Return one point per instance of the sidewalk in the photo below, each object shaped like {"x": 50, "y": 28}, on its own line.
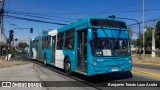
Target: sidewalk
{"x": 35, "y": 72}
{"x": 147, "y": 67}
{"x": 19, "y": 73}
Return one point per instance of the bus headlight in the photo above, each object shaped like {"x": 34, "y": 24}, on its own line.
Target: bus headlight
{"x": 129, "y": 61}
{"x": 94, "y": 63}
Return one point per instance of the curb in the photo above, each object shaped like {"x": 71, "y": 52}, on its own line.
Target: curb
{"x": 146, "y": 73}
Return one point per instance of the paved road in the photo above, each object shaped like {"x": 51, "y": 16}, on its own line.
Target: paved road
{"x": 49, "y": 73}
{"x": 100, "y": 80}
{"x": 147, "y": 66}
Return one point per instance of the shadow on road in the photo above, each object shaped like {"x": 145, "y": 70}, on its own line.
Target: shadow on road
{"x": 118, "y": 76}
{"x": 91, "y": 79}
{"x": 106, "y": 77}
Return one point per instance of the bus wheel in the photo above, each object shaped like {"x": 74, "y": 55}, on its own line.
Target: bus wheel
{"x": 67, "y": 67}
{"x": 45, "y": 60}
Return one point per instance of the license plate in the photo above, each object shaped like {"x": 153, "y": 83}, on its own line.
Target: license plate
{"x": 107, "y": 52}
{"x": 114, "y": 69}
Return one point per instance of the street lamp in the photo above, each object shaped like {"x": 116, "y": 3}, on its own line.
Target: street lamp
{"x": 113, "y": 16}
{"x": 132, "y": 20}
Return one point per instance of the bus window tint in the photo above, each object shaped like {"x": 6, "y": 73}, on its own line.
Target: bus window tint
{"x": 108, "y": 23}
{"x": 124, "y": 47}
{"x": 46, "y": 42}
{"x": 69, "y": 40}
{"x": 121, "y": 46}
{"x": 60, "y": 40}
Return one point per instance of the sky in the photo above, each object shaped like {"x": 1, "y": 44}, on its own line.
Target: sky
{"x": 68, "y": 11}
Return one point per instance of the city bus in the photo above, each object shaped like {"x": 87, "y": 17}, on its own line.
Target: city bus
{"x": 89, "y": 46}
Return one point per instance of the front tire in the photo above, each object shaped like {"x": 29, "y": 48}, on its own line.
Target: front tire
{"x": 45, "y": 60}
{"x": 67, "y": 67}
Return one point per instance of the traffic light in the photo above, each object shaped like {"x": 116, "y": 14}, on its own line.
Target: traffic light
{"x": 8, "y": 41}
{"x": 31, "y": 30}
{"x": 11, "y": 35}
{"x": 16, "y": 39}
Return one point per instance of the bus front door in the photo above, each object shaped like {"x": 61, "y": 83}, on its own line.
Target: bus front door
{"x": 53, "y": 49}
{"x": 82, "y": 51}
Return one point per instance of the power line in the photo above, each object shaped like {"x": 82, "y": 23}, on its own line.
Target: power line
{"x": 40, "y": 14}
{"x": 119, "y": 5}
{"x": 157, "y": 9}
{"x": 151, "y": 20}
{"x": 80, "y": 13}
{"x": 37, "y": 16}
{"x": 28, "y": 19}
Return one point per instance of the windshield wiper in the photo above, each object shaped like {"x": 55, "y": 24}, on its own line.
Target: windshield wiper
{"x": 105, "y": 33}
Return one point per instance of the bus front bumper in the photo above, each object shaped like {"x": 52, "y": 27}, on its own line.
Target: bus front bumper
{"x": 109, "y": 69}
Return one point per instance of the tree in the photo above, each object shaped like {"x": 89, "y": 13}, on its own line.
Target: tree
{"x": 157, "y": 35}
{"x": 22, "y": 45}
{"x": 139, "y": 42}
{"x": 148, "y": 38}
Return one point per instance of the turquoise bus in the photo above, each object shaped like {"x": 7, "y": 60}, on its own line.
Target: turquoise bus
{"x": 89, "y": 46}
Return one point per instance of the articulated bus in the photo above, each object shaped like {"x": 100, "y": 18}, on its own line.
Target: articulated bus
{"x": 90, "y": 46}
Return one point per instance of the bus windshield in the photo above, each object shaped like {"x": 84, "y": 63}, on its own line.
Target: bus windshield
{"x": 110, "y": 46}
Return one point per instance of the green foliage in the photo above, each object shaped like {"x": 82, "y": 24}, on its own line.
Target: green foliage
{"x": 12, "y": 50}
{"x": 139, "y": 41}
{"x": 22, "y": 45}
{"x": 148, "y": 37}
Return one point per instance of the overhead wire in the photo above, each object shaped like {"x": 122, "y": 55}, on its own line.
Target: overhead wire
{"x": 37, "y": 16}
{"x": 40, "y": 14}
{"x": 35, "y": 20}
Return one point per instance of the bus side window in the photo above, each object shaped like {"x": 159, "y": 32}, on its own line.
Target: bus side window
{"x": 60, "y": 40}
{"x": 69, "y": 40}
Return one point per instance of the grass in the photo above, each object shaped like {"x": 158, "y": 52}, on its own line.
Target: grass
{"x": 146, "y": 55}
{"x": 11, "y": 63}
{"x": 141, "y": 61}
{"x": 137, "y": 58}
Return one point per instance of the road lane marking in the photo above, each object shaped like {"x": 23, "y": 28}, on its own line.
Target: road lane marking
{"x": 146, "y": 73}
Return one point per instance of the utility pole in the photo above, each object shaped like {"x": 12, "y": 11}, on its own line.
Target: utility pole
{"x": 153, "y": 40}
{"x": 143, "y": 29}
{"x": 1, "y": 21}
